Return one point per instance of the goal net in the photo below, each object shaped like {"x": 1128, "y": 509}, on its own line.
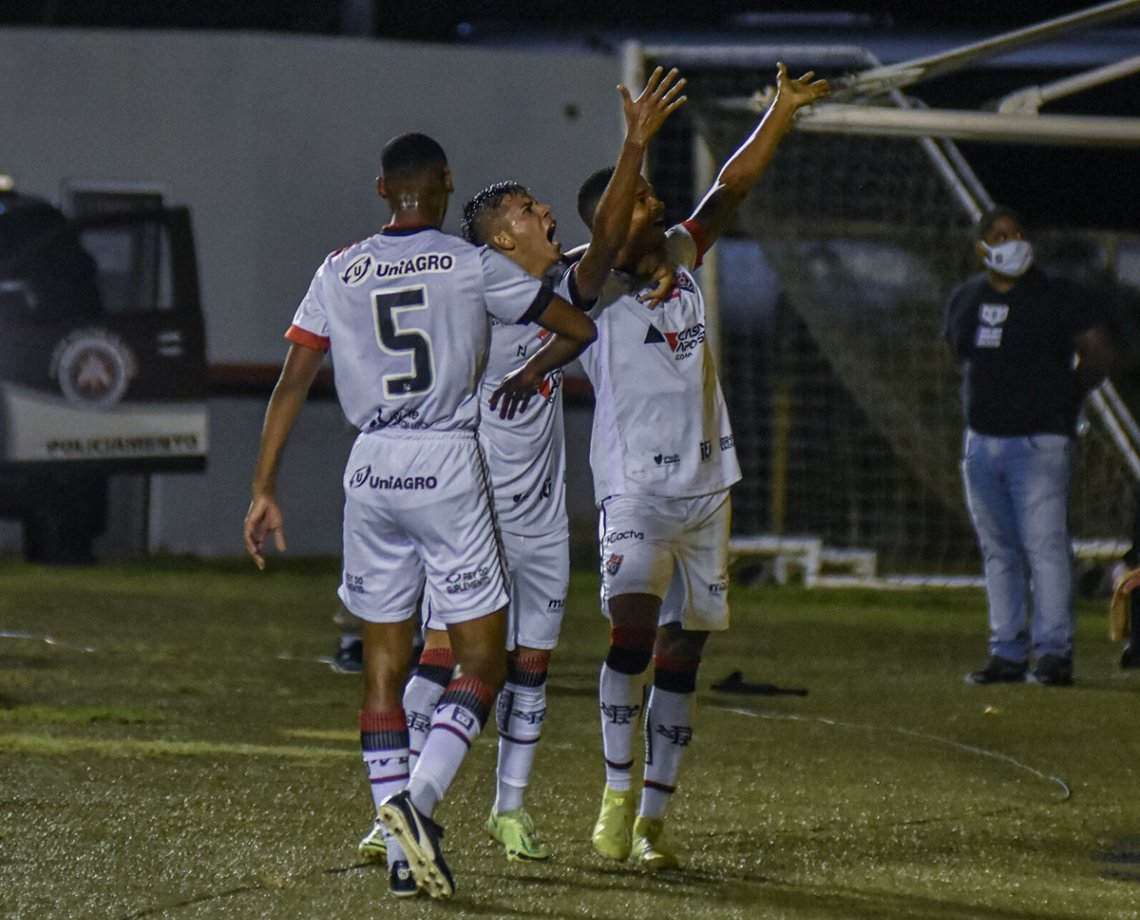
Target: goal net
{"x": 830, "y": 291}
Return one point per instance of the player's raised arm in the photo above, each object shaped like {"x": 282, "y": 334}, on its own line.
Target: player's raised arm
{"x": 575, "y": 331}
{"x": 742, "y": 170}
{"x": 264, "y": 515}
{"x": 644, "y": 117}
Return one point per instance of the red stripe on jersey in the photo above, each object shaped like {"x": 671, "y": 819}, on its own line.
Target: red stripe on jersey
{"x": 299, "y": 336}
{"x": 697, "y": 232}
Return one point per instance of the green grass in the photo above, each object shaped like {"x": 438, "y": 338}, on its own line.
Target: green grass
{"x": 178, "y": 751}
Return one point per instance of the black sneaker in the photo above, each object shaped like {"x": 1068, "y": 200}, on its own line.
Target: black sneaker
{"x": 999, "y": 671}
{"x": 401, "y": 880}
{"x": 349, "y": 657}
{"x": 419, "y": 836}
{"x": 1054, "y": 671}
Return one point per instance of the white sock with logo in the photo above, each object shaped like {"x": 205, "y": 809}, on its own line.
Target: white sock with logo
{"x": 668, "y": 731}
{"x": 384, "y": 749}
{"x": 520, "y": 713}
{"x": 460, "y": 716}
{"x": 619, "y": 697}
{"x": 421, "y": 695}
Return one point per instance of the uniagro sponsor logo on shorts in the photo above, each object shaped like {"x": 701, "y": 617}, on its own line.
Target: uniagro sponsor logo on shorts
{"x": 364, "y": 478}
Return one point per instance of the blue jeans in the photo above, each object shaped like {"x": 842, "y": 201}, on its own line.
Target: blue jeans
{"x": 1017, "y": 489}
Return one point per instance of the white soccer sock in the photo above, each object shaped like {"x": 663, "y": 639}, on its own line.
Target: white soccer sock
{"x": 520, "y": 713}
{"x": 422, "y": 693}
{"x": 384, "y": 749}
{"x": 455, "y": 724}
{"x": 619, "y": 696}
{"x": 668, "y": 731}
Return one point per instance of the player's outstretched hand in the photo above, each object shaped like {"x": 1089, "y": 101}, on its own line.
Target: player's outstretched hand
{"x": 661, "y": 97}
{"x": 514, "y": 393}
{"x": 262, "y": 519}
{"x": 662, "y": 276}
{"x": 801, "y": 92}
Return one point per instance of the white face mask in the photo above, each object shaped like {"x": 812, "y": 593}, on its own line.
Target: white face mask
{"x": 1011, "y": 258}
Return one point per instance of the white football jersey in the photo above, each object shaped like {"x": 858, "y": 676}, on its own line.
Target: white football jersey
{"x": 526, "y": 455}
{"x": 660, "y": 422}
{"x": 405, "y": 314}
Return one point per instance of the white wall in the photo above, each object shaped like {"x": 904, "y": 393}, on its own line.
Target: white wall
{"x": 273, "y": 142}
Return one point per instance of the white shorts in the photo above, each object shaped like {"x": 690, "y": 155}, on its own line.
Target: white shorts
{"x": 418, "y": 515}
{"x": 538, "y": 569}
{"x": 673, "y": 548}
{"x": 538, "y": 578}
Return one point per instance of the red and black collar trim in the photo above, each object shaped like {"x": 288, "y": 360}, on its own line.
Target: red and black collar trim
{"x": 405, "y": 229}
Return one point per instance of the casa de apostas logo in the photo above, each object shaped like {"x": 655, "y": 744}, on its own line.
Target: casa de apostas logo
{"x": 94, "y": 367}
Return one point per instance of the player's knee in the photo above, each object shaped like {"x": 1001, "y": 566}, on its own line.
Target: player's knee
{"x": 631, "y": 650}
{"x": 676, "y": 644}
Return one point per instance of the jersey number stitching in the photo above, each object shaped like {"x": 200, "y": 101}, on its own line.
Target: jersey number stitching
{"x": 388, "y": 306}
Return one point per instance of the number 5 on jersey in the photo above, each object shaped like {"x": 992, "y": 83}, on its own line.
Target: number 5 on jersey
{"x": 414, "y": 343}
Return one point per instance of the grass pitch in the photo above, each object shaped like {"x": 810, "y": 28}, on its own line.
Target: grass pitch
{"x": 173, "y": 746}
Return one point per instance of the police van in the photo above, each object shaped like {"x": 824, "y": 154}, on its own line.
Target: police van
{"x": 102, "y": 357}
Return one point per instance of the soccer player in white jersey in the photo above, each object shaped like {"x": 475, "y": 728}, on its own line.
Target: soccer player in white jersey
{"x": 663, "y": 459}
{"x": 406, "y": 316}
{"x": 526, "y": 459}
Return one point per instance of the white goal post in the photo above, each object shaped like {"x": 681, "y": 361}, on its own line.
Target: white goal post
{"x": 846, "y": 409}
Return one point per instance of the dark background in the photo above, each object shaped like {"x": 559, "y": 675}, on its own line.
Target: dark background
{"x": 1054, "y": 185}
{"x": 440, "y": 20}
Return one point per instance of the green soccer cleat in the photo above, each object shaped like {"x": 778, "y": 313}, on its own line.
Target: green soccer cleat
{"x": 515, "y": 831}
{"x": 613, "y": 832}
{"x": 649, "y": 846}
{"x": 374, "y": 848}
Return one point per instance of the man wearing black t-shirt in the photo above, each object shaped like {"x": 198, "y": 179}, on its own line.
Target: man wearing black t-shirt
{"x": 1030, "y": 346}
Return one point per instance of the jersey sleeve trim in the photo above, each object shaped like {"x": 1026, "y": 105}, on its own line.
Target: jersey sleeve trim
{"x": 299, "y": 336}
{"x": 572, "y": 289}
{"x": 540, "y": 303}
{"x": 700, "y": 237}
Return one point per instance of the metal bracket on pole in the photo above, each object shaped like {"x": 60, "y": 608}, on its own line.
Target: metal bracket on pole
{"x": 1028, "y": 101}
